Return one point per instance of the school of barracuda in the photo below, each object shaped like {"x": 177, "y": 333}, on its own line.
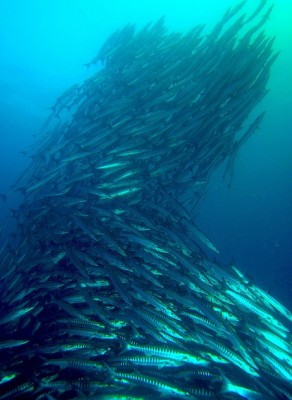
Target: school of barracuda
{"x": 108, "y": 288}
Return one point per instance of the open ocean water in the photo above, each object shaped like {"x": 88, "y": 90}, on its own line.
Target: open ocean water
{"x": 44, "y": 46}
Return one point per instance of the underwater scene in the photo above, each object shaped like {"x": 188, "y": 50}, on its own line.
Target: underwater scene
{"x": 146, "y": 199}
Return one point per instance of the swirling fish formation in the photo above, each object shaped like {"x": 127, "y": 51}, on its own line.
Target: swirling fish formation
{"x": 108, "y": 290}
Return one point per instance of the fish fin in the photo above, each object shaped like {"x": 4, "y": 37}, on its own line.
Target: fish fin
{"x": 110, "y": 372}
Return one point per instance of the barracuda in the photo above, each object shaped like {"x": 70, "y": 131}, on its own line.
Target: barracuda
{"x": 77, "y": 363}
{"x": 268, "y": 300}
{"x": 120, "y": 193}
{"x": 18, "y": 390}
{"x": 275, "y": 340}
{"x": 281, "y": 369}
{"x": 12, "y": 343}
{"x": 163, "y": 387}
{"x": 276, "y": 352}
{"x": 232, "y": 357}
{"x": 157, "y": 303}
{"x": 249, "y": 305}
{"x": 159, "y": 362}
{"x": 231, "y": 389}
{"x": 112, "y": 165}
{"x": 7, "y": 377}
{"x": 15, "y": 315}
{"x": 168, "y": 353}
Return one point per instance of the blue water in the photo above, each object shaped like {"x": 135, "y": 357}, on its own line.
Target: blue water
{"x": 44, "y": 45}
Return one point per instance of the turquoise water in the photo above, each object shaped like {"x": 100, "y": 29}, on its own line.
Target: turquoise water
{"x": 44, "y": 46}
